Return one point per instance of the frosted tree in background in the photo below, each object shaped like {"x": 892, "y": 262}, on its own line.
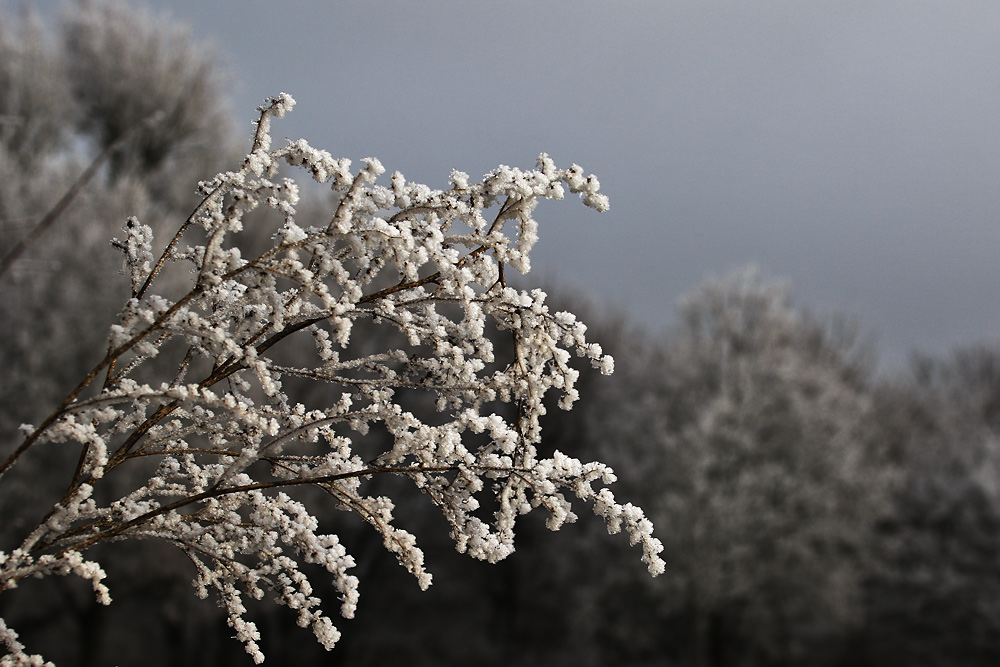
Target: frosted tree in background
{"x": 199, "y": 385}
{"x": 751, "y": 418}
{"x": 772, "y": 495}
{"x": 940, "y": 425}
{"x": 111, "y": 52}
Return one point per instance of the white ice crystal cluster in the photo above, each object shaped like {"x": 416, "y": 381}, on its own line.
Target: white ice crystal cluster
{"x": 233, "y": 447}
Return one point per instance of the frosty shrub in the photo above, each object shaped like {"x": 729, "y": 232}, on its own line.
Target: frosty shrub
{"x": 197, "y": 387}
{"x": 113, "y": 50}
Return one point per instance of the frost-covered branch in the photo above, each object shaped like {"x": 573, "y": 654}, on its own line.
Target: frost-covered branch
{"x": 234, "y": 438}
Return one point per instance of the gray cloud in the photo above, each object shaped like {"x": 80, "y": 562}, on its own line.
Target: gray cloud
{"x": 848, "y": 146}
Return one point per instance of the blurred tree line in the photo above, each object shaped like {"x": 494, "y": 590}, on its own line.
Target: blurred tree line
{"x": 813, "y": 513}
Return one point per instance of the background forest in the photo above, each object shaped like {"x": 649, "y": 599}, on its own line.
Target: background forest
{"x": 813, "y": 512}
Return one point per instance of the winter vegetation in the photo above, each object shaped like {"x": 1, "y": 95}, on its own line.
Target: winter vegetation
{"x": 203, "y": 396}
{"x": 321, "y": 397}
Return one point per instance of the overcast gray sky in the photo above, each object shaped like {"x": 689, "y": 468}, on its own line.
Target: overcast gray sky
{"x": 850, "y": 147}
